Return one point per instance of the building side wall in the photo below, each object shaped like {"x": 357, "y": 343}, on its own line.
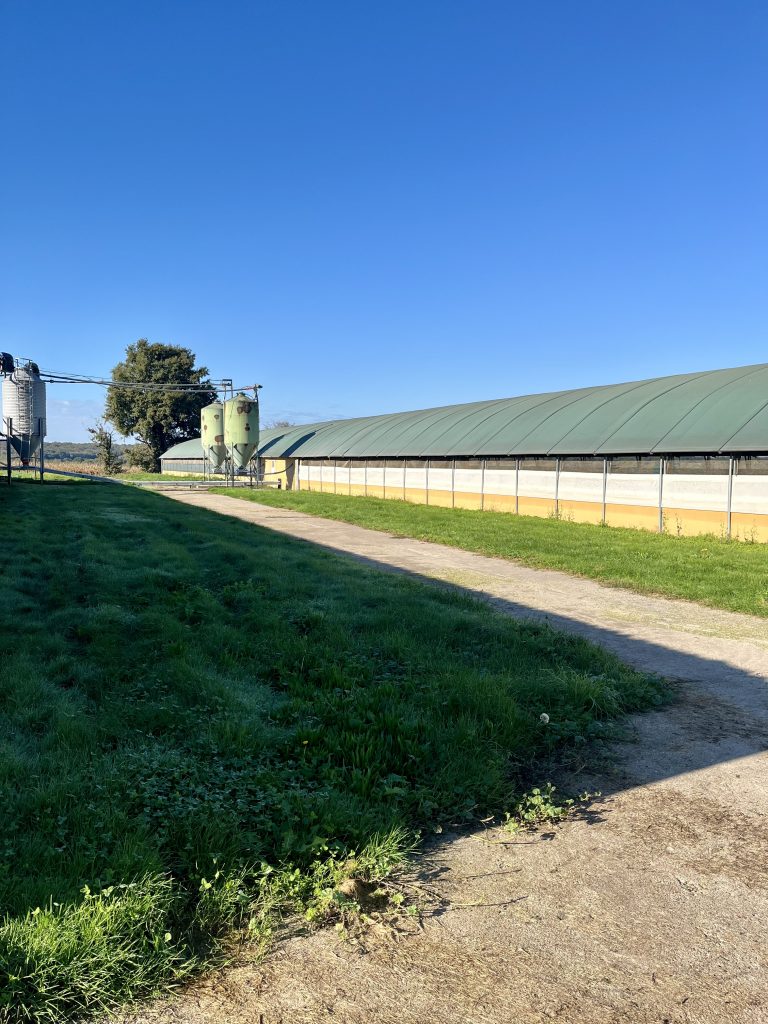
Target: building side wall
{"x": 681, "y": 503}
{"x": 181, "y": 467}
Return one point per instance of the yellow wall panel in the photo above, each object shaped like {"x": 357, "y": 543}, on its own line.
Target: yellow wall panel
{"x": 499, "y": 503}
{"x": 443, "y": 499}
{"x": 581, "y": 511}
{"x": 465, "y": 500}
{"x": 638, "y": 517}
{"x": 688, "y": 522}
{"x": 537, "y": 506}
{"x": 749, "y": 526}
{"x": 417, "y": 495}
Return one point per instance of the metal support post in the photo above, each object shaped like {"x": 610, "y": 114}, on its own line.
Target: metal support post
{"x": 730, "y": 498}
{"x": 605, "y": 489}
{"x": 557, "y": 487}
{"x": 453, "y": 483}
{"x": 482, "y": 485}
{"x": 661, "y": 495}
{"x": 517, "y": 486}
{"x": 426, "y": 480}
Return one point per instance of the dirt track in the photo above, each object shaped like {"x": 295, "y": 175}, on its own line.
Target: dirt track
{"x": 653, "y": 907}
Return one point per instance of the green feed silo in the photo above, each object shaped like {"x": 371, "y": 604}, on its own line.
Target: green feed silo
{"x": 241, "y": 429}
{"x": 212, "y": 434}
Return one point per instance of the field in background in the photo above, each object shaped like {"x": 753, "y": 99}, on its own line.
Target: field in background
{"x": 725, "y": 574}
{"x": 91, "y": 467}
{"x": 201, "y": 720}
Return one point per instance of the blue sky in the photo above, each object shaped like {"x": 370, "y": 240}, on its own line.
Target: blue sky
{"x": 370, "y": 207}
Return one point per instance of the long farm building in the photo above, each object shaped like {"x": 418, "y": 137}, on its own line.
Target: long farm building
{"x": 686, "y": 454}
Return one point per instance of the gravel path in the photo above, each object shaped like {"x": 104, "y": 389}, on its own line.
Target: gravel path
{"x": 651, "y": 908}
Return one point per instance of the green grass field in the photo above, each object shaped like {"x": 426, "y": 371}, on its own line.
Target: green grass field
{"x": 201, "y": 721}
{"x": 723, "y": 574}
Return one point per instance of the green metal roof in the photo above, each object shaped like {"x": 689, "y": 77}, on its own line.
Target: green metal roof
{"x": 696, "y": 413}
{"x": 185, "y": 450}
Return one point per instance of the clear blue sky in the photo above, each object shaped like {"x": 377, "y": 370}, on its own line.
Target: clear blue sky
{"x": 375, "y": 206}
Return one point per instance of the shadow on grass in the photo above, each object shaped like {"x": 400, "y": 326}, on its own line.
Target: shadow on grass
{"x": 204, "y": 722}
{"x": 713, "y": 678}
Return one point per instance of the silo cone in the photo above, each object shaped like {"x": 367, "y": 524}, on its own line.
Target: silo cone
{"x": 212, "y": 434}
{"x": 241, "y": 429}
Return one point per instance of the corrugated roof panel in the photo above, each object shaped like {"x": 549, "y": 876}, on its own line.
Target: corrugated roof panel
{"x": 665, "y": 402}
{"x": 408, "y": 434}
{"x": 709, "y": 415}
{"x": 445, "y": 432}
{"x": 543, "y": 428}
{"x": 495, "y": 430}
{"x": 715, "y": 411}
{"x": 185, "y": 450}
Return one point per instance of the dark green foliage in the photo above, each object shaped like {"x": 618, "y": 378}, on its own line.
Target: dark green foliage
{"x": 110, "y": 457}
{"x": 140, "y": 456}
{"x": 193, "y": 710}
{"x": 713, "y": 571}
{"x": 158, "y": 418}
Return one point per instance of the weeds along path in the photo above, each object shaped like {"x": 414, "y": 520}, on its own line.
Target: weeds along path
{"x": 652, "y": 907}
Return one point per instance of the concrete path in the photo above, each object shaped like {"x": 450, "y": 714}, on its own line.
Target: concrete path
{"x": 652, "y": 908}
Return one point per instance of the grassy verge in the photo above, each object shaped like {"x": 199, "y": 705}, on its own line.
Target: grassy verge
{"x": 720, "y": 573}
{"x": 202, "y": 724}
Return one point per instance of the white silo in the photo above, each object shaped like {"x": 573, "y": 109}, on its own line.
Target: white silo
{"x": 24, "y": 410}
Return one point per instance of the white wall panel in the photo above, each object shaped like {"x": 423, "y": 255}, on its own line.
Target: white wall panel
{"x": 750, "y": 494}
{"x": 375, "y": 476}
{"x": 581, "y": 487}
{"x": 537, "y": 483}
{"x": 357, "y": 474}
{"x": 500, "y": 481}
{"x": 394, "y": 480}
{"x": 632, "y": 489}
{"x": 416, "y": 478}
{"x": 439, "y": 479}
{"x": 696, "y": 491}
{"x": 468, "y": 480}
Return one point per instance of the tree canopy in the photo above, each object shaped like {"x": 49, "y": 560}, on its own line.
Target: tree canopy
{"x": 158, "y": 418}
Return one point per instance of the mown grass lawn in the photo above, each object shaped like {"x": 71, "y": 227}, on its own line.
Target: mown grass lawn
{"x": 200, "y": 721}
{"x": 720, "y": 573}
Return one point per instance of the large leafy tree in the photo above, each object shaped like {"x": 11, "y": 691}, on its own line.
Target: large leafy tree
{"x": 158, "y": 417}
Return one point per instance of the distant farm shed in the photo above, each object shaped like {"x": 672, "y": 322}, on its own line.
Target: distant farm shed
{"x": 686, "y": 454}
